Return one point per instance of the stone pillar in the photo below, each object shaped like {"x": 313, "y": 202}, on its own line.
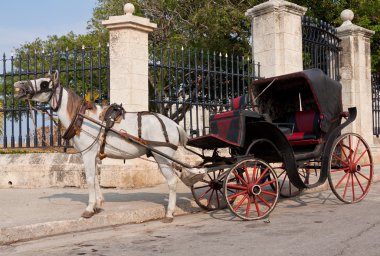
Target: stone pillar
{"x": 355, "y": 71}
{"x": 277, "y": 37}
{"x": 129, "y": 59}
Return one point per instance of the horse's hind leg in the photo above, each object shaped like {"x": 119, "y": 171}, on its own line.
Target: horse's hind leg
{"x": 98, "y": 193}
{"x": 171, "y": 178}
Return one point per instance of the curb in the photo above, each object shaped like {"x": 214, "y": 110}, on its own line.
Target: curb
{"x": 10, "y": 235}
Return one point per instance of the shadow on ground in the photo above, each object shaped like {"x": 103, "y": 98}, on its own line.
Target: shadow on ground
{"x": 184, "y": 200}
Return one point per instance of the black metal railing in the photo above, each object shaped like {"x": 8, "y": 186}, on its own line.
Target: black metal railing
{"x": 376, "y": 103}
{"x": 83, "y": 70}
{"x": 190, "y": 85}
{"x": 320, "y": 46}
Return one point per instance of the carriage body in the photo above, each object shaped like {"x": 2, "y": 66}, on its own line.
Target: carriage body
{"x": 296, "y": 131}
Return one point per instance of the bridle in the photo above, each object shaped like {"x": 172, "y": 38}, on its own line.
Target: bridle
{"x": 32, "y": 91}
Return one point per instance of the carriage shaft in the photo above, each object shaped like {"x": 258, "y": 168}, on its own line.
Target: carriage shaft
{"x": 139, "y": 141}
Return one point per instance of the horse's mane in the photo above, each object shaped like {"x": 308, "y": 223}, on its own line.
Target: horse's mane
{"x": 74, "y": 102}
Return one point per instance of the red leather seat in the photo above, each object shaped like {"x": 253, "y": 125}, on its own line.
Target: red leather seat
{"x": 226, "y": 125}
{"x": 306, "y": 127}
{"x": 239, "y": 102}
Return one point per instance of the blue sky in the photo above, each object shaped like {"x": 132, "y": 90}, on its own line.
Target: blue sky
{"x": 24, "y": 20}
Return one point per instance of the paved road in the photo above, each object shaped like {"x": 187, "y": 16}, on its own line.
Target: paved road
{"x": 311, "y": 224}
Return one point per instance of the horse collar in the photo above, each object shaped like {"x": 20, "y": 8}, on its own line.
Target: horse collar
{"x": 76, "y": 123}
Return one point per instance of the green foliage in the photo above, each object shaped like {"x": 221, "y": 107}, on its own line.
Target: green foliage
{"x": 221, "y": 25}
{"x": 213, "y": 25}
{"x": 218, "y": 25}
{"x": 82, "y": 69}
{"x": 366, "y": 15}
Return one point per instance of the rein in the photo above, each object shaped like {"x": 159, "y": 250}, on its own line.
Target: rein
{"x": 75, "y": 126}
{"x": 96, "y": 138}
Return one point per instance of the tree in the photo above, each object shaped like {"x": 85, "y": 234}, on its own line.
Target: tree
{"x": 366, "y": 15}
{"x": 214, "y": 25}
{"x": 83, "y": 52}
{"x": 218, "y": 25}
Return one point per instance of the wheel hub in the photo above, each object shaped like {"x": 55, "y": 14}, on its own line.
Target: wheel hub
{"x": 255, "y": 190}
{"x": 354, "y": 168}
{"x": 216, "y": 185}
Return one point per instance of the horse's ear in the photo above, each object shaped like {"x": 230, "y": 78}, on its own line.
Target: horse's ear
{"x": 48, "y": 74}
{"x": 56, "y": 77}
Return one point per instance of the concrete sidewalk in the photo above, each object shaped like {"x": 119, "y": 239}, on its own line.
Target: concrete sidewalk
{"x": 34, "y": 213}
{"x": 27, "y": 214}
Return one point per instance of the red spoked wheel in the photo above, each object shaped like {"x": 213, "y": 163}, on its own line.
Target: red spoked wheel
{"x": 251, "y": 189}
{"x": 208, "y": 193}
{"x": 351, "y": 168}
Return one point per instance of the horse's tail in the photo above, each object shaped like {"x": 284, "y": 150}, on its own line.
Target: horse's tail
{"x": 182, "y": 136}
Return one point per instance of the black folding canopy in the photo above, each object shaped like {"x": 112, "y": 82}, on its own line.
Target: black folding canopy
{"x": 309, "y": 89}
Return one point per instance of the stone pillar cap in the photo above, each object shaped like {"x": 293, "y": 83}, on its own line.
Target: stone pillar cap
{"x": 347, "y": 16}
{"x": 129, "y": 21}
{"x": 348, "y": 28}
{"x": 129, "y": 9}
{"x": 271, "y": 5}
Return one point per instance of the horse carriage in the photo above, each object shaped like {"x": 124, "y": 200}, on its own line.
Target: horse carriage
{"x": 291, "y": 140}
{"x": 287, "y": 138}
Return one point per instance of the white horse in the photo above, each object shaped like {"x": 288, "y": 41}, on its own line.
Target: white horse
{"x": 66, "y": 104}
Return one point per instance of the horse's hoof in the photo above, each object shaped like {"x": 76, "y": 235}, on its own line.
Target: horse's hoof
{"x": 167, "y": 220}
{"x": 87, "y": 214}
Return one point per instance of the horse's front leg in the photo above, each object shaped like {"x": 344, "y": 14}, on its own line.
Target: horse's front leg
{"x": 89, "y": 161}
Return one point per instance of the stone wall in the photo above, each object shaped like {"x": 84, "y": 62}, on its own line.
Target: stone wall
{"x": 36, "y": 170}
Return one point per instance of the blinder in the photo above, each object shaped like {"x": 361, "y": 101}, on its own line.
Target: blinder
{"x": 32, "y": 91}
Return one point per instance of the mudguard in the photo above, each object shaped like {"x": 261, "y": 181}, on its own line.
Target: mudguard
{"x": 352, "y": 113}
{"x": 265, "y": 141}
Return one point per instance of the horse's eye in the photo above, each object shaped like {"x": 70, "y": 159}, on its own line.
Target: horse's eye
{"x": 44, "y": 85}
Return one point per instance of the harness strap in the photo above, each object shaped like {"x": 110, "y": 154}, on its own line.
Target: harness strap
{"x": 59, "y": 100}
{"x": 161, "y": 144}
{"x": 141, "y": 141}
{"x": 76, "y": 123}
{"x": 164, "y": 131}
{"x": 163, "y": 127}
{"x": 111, "y": 114}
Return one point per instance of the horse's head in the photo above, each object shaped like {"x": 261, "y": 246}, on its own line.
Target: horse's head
{"x": 40, "y": 90}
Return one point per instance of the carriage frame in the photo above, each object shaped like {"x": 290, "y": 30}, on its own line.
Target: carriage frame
{"x": 285, "y": 138}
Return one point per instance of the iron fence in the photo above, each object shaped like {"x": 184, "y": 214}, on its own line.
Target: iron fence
{"x": 320, "y": 46}
{"x": 376, "y": 103}
{"x": 83, "y": 70}
{"x": 190, "y": 85}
